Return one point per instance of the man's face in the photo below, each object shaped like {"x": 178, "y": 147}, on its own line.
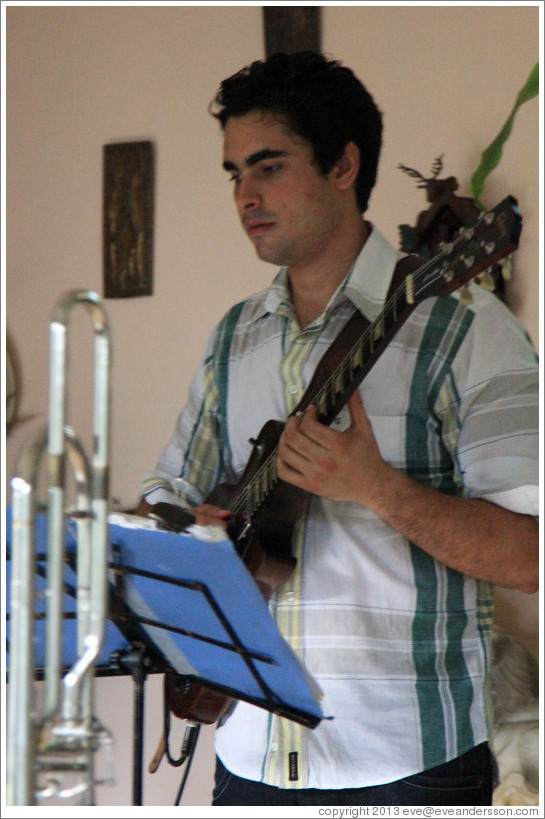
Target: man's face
{"x": 287, "y": 208}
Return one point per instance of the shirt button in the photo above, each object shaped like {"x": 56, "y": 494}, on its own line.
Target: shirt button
{"x": 293, "y": 389}
{"x": 290, "y": 597}
{"x": 274, "y": 747}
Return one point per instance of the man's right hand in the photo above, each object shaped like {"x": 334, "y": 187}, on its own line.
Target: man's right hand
{"x": 205, "y": 515}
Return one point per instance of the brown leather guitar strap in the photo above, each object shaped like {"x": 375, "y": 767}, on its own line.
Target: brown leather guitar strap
{"x": 351, "y": 332}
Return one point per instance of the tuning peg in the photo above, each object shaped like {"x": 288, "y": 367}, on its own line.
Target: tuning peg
{"x": 465, "y": 295}
{"x": 486, "y": 280}
{"x": 507, "y": 268}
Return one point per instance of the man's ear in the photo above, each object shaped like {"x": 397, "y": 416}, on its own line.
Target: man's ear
{"x": 346, "y": 169}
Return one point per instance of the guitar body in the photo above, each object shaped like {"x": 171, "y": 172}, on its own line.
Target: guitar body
{"x": 263, "y": 517}
{"x": 263, "y": 541}
{"x": 195, "y": 702}
{"x": 265, "y": 547}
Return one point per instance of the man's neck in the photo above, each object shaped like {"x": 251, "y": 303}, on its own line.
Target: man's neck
{"x": 312, "y": 286}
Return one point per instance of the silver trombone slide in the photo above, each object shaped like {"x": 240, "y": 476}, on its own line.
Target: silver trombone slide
{"x": 56, "y": 489}
{"x": 66, "y": 736}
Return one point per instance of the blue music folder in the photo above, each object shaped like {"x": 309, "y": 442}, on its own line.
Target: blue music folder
{"x": 196, "y": 604}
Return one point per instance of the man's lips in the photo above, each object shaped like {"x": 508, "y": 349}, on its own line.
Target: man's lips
{"x": 257, "y": 227}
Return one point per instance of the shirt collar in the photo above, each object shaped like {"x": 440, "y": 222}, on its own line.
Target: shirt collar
{"x": 368, "y": 282}
{"x": 278, "y": 294}
{"x": 366, "y": 285}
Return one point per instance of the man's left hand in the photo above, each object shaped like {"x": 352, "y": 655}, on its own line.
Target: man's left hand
{"x": 343, "y": 466}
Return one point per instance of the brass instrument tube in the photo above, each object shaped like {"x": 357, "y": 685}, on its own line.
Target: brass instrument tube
{"x": 56, "y": 497}
{"x": 68, "y": 726}
{"x": 20, "y": 734}
{"x": 82, "y": 514}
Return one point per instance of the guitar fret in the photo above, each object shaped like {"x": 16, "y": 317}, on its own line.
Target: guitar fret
{"x": 352, "y": 369}
{"x": 391, "y": 313}
{"x": 254, "y": 497}
{"x": 270, "y": 474}
{"x": 378, "y": 328}
{"x": 409, "y": 289}
{"x": 339, "y": 382}
{"x": 263, "y": 487}
{"x": 358, "y": 357}
{"x": 321, "y": 404}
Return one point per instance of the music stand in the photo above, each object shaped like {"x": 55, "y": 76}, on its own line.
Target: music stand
{"x": 183, "y": 603}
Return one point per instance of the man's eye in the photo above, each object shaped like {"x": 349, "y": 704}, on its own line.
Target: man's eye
{"x": 268, "y": 170}
{"x": 235, "y": 177}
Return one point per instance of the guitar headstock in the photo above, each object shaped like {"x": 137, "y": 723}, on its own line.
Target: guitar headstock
{"x": 493, "y": 236}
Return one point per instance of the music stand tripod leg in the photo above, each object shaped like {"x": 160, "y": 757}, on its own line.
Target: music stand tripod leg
{"x": 136, "y": 661}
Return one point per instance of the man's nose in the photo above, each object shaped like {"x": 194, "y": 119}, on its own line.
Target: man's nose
{"x": 247, "y": 194}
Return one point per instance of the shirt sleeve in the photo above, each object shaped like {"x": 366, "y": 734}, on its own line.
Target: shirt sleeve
{"x": 191, "y": 464}
{"x": 495, "y": 393}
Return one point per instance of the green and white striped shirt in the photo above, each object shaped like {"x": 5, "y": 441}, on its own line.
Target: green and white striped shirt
{"x": 397, "y": 642}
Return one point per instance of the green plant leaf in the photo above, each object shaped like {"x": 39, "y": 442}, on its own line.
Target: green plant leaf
{"x": 492, "y": 155}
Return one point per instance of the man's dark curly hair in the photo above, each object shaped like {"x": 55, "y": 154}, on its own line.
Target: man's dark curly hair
{"x": 322, "y": 101}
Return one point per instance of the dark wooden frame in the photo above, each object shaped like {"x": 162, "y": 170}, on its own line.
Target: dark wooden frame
{"x": 291, "y": 28}
{"x": 128, "y": 193}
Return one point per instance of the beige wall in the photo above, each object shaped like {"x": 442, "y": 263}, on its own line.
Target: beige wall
{"x": 79, "y": 77}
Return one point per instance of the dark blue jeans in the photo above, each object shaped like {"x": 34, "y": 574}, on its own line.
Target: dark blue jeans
{"x": 467, "y": 780}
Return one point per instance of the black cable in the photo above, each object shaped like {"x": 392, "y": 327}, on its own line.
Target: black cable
{"x": 166, "y": 722}
{"x": 189, "y": 743}
{"x": 188, "y": 748}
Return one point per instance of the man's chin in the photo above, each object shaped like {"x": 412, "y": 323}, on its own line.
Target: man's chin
{"x": 271, "y": 255}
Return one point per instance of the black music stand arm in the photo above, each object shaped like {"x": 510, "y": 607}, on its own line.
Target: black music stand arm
{"x": 137, "y": 662}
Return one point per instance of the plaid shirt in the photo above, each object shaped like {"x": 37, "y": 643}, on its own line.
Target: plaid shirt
{"x": 397, "y": 642}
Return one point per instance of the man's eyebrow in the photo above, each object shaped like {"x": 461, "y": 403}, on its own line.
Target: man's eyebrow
{"x": 253, "y": 159}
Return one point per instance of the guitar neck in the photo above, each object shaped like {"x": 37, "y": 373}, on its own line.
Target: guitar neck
{"x": 359, "y": 346}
